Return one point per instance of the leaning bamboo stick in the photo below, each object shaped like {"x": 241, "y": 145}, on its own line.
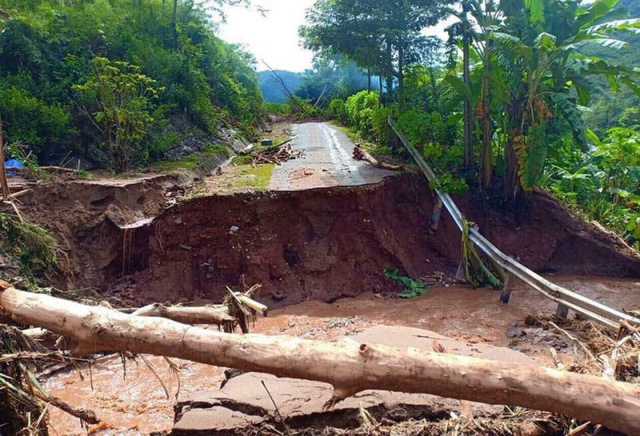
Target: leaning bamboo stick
{"x": 258, "y": 307}
{"x": 349, "y": 367}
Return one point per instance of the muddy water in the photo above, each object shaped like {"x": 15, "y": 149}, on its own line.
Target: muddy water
{"x": 135, "y": 403}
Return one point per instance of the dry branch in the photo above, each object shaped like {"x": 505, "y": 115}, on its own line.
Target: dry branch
{"x": 188, "y": 315}
{"x": 349, "y": 367}
{"x": 49, "y": 168}
{"x": 4, "y": 184}
{"x": 276, "y": 155}
{"x": 360, "y": 153}
{"x": 86, "y": 415}
{"x": 19, "y": 193}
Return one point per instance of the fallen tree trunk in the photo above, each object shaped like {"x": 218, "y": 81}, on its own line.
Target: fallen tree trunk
{"x": 349, "y": 367}
{"x": 188, "y": 315}
{"x": 360, "y": 153}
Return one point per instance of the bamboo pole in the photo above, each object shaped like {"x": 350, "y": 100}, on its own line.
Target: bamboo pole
{"x": 348, "y": 367}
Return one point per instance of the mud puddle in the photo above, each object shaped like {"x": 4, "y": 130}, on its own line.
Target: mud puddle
{"x": 137, "y": 404}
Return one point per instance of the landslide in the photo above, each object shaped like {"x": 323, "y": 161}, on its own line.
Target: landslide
{"x": 318, "y": 244}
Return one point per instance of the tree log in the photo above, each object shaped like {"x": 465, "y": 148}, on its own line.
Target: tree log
{"x": 360, "y": 153}
{"x": 349, "y": 367}
{"x": 188, "y": 315}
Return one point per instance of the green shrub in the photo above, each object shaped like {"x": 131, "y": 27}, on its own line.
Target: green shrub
{"x": 450, "y": 184}
{"x": 28, "y": 243}
{"x": 423, "y": 128}
{"x": 48, "y": 45}
{"x": 278, "y": 108}
{"x": 32, "y": 121}
{"x": 381, "y": 130}
{"x": 337, "y": 109}
{"x": 359, "y": 110}
{"x": 121, "y": 106}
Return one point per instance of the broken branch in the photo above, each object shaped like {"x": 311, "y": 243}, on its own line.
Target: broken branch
{"x": 188, "y": 315}
{"x": 360, "y": 153}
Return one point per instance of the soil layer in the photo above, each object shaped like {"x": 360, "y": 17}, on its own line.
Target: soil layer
{"x": 134, "y": 240}
{"x": 330, "y": 243}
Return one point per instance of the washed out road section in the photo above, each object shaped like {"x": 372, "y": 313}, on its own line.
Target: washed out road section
{"x": 327, "y": 161}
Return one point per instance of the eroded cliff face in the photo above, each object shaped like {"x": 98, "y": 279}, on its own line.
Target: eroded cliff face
{"x": 316, "y": 244}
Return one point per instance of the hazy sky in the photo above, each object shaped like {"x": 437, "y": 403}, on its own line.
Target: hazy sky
{"x": 274, "y": 36}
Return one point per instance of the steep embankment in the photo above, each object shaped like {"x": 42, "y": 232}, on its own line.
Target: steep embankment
{"x": 316, "y": 244}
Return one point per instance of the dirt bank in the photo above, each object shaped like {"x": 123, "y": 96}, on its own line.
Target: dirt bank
{"x": 331, "y": 243}
{"x": 86, "y": 218}
{"x": 317, "y": 244}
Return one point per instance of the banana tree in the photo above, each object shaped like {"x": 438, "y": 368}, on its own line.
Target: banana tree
{"x": 478, "y": 19}
{"x": 538, "y": 48}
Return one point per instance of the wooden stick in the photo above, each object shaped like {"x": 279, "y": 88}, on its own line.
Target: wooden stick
{"x": 580, "y": 429}
{"x": 258, "y": 307}
{"x": 86, "y": 415}
{"x": 4, "y": 184}
{"x": 51, "y": 168}
{"x": 348, "y": 367}
{"x": 187, "y": 315}
{"x": 15, "y": 209}
{"x": 20, "y": 193}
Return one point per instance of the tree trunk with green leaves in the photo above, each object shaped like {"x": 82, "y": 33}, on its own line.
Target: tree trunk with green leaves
{"x": 174, "y": 25}
{"x": 484, "y": 115}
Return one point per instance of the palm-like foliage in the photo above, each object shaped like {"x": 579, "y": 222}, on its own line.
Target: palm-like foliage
{"x": 546, "y": 76}
{"x": 535, "y": 77}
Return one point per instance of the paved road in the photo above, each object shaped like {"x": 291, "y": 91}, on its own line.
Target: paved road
{"x": 326, "y": 162}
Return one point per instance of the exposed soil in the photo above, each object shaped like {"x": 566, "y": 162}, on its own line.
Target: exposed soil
{"x": 87, "y": 218}
{"x": 331, "y": 243}
{"x": 317, "y": 244}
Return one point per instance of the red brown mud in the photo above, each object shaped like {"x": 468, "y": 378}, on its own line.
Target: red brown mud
{"x": 85, "y": 218}
{"x": 137, "y": 405}
{"x": 330, "y": 243}
{"x": 317, "y": 244}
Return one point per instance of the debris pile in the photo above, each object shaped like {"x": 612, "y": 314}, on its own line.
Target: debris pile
{"x": 276, "y": 155}
{"x": 602, "y": 352}
{"x": 28, "y": 355}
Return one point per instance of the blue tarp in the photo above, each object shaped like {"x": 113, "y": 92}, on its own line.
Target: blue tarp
{"x": 13, "y": 163}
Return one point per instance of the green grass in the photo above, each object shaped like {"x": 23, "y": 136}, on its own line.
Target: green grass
{"x": 28, "y": 245}
{"x": 256, "y": 178}
{"x": 190, "y": 162}
{"x": 242, "y": 160}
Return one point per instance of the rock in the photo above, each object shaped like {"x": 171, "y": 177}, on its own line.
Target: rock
{"x": 242, "y": 402}
{"x": 211, "y": 421}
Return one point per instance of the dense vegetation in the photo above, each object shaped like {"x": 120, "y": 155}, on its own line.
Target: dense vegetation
{"x": 539, "y": 74}
{"x": 118, "y": 82}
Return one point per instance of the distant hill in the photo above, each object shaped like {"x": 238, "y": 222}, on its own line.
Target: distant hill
{"x": 633, "y": 6}
{"x": 271, "y": 88}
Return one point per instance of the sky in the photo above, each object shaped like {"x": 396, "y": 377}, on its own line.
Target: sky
{"x": 273, "y": 38}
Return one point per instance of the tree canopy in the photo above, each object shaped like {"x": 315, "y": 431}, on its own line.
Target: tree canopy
{"x": 49, "y": 48}
{"x": 381, "y": 35}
